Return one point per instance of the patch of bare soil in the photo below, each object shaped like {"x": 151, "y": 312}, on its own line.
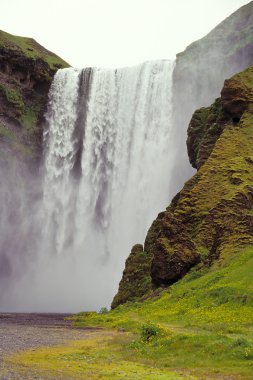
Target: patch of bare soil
{"x": 27, "y": 331}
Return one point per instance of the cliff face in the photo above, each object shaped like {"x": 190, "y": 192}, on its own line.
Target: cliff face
{"x": 136, "y": 280}
{"x": 200, "y": 72}
{"x": 26, "y": 72}
{"x": 211, "y": 217}
{"x": 211, "y": 214}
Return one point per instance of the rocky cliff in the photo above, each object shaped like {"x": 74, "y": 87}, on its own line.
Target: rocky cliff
{"x": 212, "y": 212}
{"x": 199, "y": 74}
{"x": 26, "y": 72}
{"x": 211, "y": 217}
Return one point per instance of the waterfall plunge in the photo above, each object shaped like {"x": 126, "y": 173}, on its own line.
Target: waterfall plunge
{"x": 107, "y": 165}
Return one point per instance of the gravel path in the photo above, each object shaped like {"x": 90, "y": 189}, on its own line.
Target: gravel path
{"x": 24, "y": 331}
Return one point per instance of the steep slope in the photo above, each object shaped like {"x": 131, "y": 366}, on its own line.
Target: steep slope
{"x": 211, "y": 218}
{"x": 199, "y": 74}
{"x": 26, "y": 72}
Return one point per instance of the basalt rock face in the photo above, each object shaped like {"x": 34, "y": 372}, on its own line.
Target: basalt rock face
{"x": 207, "y": 124}
{"x": 211, "y": 218}
{"x": 136, "y": 280}
{"x": 200, "y": 72}
{"x": 204, "y": 129}
{"x": 26, "y": 72}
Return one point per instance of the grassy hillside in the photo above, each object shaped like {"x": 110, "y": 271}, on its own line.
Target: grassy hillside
{"x": 29, "y": 48}
{"x": 202, "y": 324}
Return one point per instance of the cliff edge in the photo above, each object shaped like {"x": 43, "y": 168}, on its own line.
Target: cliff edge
{"x": 26, "y": 72}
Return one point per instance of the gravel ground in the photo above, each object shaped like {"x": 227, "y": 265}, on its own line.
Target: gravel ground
{"x": 24, "y": 331}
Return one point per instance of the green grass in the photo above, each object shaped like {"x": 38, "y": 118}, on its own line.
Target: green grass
{"x": 12, "y": 96}
{"x": 199, "y": 328}
{"x": 31, "y": 49}
{"x": 204, "y": 321}
{"x": 101, "y": 356}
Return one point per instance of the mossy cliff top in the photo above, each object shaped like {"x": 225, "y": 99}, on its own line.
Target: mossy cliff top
{"x": 26, "y": 72}
{"x": 211, "y": 218}
{"x": 28, "y": 48}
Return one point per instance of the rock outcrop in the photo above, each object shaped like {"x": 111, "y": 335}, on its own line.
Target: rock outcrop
{"x": 211, "y": 217}
{"x": 136, "y": 280}
{"x": 26, "y": 72}
{"x": 212, "y": 214}
{"x": 200, "y": 72}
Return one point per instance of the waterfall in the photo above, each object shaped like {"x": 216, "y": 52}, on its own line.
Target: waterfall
{"x": 106, "y": 175}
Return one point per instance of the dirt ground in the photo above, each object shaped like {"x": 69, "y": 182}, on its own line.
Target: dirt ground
{"x": 27, "y": 331}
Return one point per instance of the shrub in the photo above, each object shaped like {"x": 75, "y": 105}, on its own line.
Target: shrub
{"x": 149, "y": 332}
{"x": 103, "y": 310}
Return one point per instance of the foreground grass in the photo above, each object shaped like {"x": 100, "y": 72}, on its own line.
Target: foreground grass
{"x": 202, "y": 324}
{"x": 101, "y": 356}
{"x": 201, "y": 328}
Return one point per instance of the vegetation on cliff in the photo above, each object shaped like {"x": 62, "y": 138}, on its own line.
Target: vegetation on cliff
{"x": 200, "y": 72}
{"x": 211, "y": 216}
{"x": 136, "y": 280}
{"x": 29, "y": 49}
{"x": 26, "y": 72}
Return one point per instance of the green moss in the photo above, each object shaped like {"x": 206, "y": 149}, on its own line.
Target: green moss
{"x": 245, "y": 77}
{"x": 27, "y": 71}
{"x": 136, "y": 280}
{"x": 7, "y": 134}
{"x": 29, "y": 118}
{"x": 204, "y": 130}
{"x": 210, "y": 217}
{"x": 31, "y": 49}
{"x": 30, "y": 122}
{"x": 12, "y": 96}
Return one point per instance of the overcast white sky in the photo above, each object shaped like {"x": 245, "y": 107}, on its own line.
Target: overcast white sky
{"x": 113, "y": 33}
